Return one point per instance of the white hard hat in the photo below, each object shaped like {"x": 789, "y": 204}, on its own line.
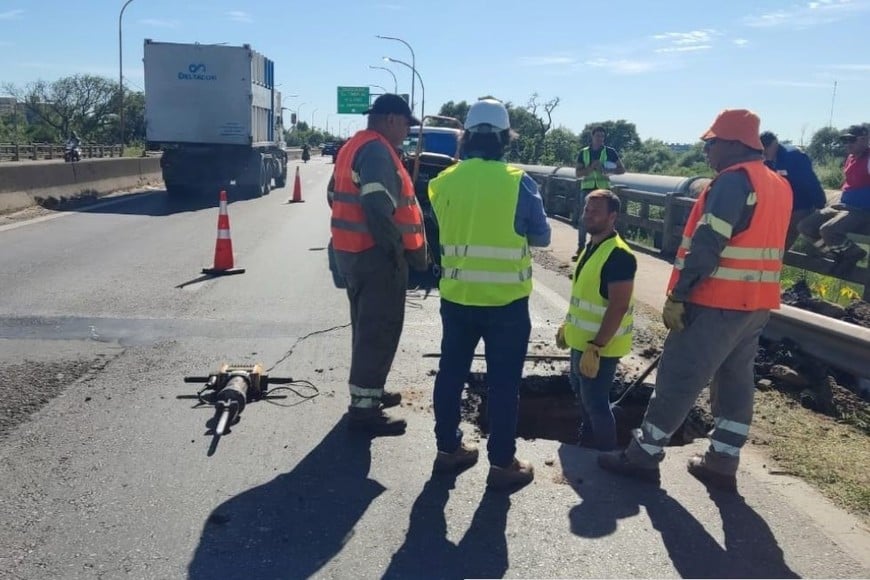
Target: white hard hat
{"x": 487, "y": 115}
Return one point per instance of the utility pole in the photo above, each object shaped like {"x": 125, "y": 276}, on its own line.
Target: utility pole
{"x": 833, "y": 98}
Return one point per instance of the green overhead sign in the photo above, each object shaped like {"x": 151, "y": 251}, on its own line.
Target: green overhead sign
{"x": 353, "y": 100}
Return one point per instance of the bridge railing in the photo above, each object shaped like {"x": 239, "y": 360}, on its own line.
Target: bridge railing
{"x": 37, "y": 151}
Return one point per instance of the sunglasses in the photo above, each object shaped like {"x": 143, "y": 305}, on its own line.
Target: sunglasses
{"x": 849, "y": 139}
{"x": 709, "y": 143}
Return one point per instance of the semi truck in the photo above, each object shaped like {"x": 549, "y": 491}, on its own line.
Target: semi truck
{"x": 215, "y": 114}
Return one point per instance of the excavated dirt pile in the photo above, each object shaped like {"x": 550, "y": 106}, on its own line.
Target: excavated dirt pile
{"x": 800, "y": 296}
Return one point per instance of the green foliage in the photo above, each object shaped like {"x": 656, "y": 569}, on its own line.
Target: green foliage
{"x": 830, "y": 174}
{"x": 87, "y": 104}
{"x": 826, "y": 145}
{"x": 560, "y": 147}
{"x": 651, "y": 156}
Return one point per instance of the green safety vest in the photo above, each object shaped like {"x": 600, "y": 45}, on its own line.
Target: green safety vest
{"x": 596, "y": 179}
{"x": 484, "y": 262}
{"x": 586, "y": 311}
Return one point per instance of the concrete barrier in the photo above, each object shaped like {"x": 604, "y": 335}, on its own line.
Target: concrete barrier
{"x": 32, "y": 183}
{"x": 27, "y": 183}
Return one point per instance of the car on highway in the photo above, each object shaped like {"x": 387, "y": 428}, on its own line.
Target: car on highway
{"x": 330, "y": 148}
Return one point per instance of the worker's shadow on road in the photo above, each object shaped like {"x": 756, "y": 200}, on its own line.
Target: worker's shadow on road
{"x": 751, "y": 550}
{"x": 295, "y": 524}
{"x": 427, "y": 553}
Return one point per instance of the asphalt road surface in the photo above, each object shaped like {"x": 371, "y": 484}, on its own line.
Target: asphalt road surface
{"x": 110, "y": 475}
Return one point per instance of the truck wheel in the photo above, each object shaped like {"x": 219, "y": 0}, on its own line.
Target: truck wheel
{"x": 265, "y": 180}
{"x": 281, "y": 178}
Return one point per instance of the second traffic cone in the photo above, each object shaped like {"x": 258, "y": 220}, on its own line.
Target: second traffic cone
{"x": 297, "y": 189}
{"x": 223, "y": 249}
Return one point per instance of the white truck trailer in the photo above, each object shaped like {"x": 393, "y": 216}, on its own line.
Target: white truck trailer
{"x": 215, "y": 113}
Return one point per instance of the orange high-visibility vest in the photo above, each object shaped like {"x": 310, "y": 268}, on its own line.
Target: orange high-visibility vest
{"x": 349, "y": 230}
{"x": 747, "y": 277}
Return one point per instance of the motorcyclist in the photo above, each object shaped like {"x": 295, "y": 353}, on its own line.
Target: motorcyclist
{"x": 306, "y": 153}
{"x": 72, "y": 147}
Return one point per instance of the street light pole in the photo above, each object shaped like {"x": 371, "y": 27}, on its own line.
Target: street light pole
{"x": 419, "y": 78}
{"x": 121, "y": 71}
{"x": 392, "y": 74}
{"x": 312, "y": 118}
{"x": 413, "y": 66}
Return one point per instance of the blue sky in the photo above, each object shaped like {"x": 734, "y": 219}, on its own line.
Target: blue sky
{"x": 669, "y": 67}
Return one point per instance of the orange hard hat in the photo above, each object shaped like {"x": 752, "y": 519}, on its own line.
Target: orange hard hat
{"x": 736, "y": 125}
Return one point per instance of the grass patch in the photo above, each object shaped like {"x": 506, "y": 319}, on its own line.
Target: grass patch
{"x": 824, "y": 287}
{"x": 830, "y": 455}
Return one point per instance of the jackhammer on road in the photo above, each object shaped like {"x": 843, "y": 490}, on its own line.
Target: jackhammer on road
{"x": 236, "y": 385}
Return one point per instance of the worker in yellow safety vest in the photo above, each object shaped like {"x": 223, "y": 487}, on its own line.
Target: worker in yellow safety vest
{"x": 488, "y": 214}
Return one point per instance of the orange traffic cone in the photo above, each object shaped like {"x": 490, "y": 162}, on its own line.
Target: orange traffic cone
{"x": 223, "y": 249}
{"x": 297, "y": 189}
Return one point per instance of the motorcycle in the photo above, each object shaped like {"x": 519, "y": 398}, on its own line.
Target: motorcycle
{"x": 72, "y": 153}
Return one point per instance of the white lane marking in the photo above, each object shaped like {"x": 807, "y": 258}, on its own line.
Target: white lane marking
{"x": 46, "y": 218}
{"x": 554, "y": 298}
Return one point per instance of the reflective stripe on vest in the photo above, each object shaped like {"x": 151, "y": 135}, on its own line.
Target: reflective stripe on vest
{"x": 587, "y": 307}
{"x": 748, "y": 274}
{"x": 349, "y": 230}
{"x": 596, "y": 179}
{"x": 484, "y": 262}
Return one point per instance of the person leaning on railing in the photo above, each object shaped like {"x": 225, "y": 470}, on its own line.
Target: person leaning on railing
{"x": 797, "y": 168}
{"x": 827, "y": 228}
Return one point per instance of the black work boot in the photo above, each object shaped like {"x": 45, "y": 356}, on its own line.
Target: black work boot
{"x": 702, "y": 471}
{"x": 845, "y": 257}
{"x": 390, "y": 399}
{"x": 374, "y": 422}
{"x": 618, "y": 462}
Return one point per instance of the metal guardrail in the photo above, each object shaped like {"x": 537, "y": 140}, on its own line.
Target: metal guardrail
{"x": 839, "y": 344}
{"x": 36, "y": 151}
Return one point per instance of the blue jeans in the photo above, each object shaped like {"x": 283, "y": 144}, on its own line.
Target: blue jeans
{"x": 505, "y": 332}
{"x": 593, "y": 397}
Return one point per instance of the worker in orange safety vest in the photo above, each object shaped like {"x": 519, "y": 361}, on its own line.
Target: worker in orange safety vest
{"x": 377, "y": 231}
{"x": 724, "y": 283}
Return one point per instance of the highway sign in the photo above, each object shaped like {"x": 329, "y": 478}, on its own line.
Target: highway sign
{"x": 353, "y": 100}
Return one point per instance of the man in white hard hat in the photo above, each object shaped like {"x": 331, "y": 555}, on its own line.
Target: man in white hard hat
{"x": 488, "y": 213}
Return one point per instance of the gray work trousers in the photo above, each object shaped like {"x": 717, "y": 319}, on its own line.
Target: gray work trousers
{"x": 832, "y": 223}
{"x": 377, "y": 314}
{"x": 716, "y": 344}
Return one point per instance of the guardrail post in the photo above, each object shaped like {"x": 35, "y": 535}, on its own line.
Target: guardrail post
{"x": 17, "y": 155}
{"x": 35, "y": 151}
{"x": 670, "y": 242}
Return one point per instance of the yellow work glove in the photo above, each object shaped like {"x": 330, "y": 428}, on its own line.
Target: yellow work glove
{"x": 590, "y": 360}
{"x": 560, "y": 337}
{"x": 674, "y": 314}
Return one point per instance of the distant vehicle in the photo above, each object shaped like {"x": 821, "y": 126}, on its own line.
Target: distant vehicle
{"x": 441, "y": 140}
{"x": 330, "y": 148}
{"x": 216, "y": 115}
{"x": 72, "y": 153}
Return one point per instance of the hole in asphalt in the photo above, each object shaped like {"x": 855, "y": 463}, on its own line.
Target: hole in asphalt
{"x": 548, "y": 410}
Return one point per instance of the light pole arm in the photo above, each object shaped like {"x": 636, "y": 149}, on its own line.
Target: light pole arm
{"x": 121, "y": 72}
{"x": 413, "y": 65}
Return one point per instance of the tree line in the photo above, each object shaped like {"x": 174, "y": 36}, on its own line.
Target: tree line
{"x": 48, "y": 111}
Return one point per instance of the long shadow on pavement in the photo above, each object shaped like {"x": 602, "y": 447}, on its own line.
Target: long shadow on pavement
{"x": 751, "y": 550}
{"x": 295, "y": 524}
{"x": 427, "y": 553}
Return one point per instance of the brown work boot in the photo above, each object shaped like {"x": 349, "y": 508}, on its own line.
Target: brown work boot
{"x": 374, "y": 422}
{"x": 390, "y": 399}
{"x": 618, "y": 462}
{"x": 464, "y": 457}
{"x": 699, "y": 468}
{"x": 515, "y": 475}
